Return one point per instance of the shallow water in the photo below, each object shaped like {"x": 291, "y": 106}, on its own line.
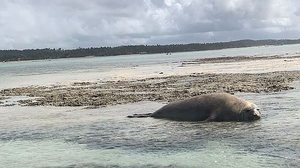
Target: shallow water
{"x": 57, "y": 71}
{"x": 78, "y": 137}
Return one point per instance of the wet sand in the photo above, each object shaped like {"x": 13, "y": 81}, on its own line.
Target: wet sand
{"x": 240, "y": 64}
{"x": 242, "y": 59}
{"x": 183, "y": 80}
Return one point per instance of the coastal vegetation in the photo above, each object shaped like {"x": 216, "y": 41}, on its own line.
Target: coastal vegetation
{"x": 48, "y": 53}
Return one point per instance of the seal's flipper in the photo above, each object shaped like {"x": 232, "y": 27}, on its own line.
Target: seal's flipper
{"x": 140, "y": 115}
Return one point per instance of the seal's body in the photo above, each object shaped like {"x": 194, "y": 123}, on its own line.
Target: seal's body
{"x": 208, "y": 107}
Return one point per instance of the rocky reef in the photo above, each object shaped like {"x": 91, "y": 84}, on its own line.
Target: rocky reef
{"x": 95, "y": 94}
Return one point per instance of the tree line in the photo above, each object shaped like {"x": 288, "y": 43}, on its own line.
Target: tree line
{"x": 48, "y": 53}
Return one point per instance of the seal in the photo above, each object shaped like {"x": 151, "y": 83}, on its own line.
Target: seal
{"x": 208, "y": 107}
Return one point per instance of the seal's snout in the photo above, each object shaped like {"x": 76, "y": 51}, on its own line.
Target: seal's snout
{"x": 256, "y": 114}
{"x": 251, "y": 114}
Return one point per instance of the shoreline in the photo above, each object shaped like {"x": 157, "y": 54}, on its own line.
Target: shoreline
{"x": 47, "y": 53}
{"x": 169, "y": 82}
{"x": 240, "y": 59}
{"x": 161, "y": 89}
{"x": 139, "y": 67}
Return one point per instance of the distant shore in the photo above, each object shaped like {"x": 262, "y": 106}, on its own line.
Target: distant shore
{"x": 194, "y": 79}
{"x": 48, "y": 53}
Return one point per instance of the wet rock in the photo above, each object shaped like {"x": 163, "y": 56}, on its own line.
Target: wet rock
{"x": 152, "y": 89}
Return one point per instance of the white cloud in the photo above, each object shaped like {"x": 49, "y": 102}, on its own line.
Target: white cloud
{"x": 79, "y": 23}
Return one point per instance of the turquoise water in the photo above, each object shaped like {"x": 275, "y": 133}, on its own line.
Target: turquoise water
{"x": 78, "y": 137}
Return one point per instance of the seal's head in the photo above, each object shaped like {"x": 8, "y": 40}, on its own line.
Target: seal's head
{"x": 250, "y": 113}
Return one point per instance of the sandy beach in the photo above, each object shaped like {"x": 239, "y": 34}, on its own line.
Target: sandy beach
{"x": 168, "y": 82}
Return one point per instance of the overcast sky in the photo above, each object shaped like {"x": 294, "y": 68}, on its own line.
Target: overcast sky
{"x": 92, "y": 23}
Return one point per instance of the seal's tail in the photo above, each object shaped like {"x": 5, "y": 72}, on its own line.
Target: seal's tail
{"x": 140, "y": 115}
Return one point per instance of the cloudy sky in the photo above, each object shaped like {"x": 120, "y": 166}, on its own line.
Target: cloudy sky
{"x": 92, "y": 23}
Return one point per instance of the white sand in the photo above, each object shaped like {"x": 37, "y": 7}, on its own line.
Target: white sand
{"x": 149, "y": 71}
{"x": 256, "y": 66}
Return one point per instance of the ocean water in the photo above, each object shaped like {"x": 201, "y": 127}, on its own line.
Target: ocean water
{"x": 56, "y": 71}
{"x": 77, "y": 137}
